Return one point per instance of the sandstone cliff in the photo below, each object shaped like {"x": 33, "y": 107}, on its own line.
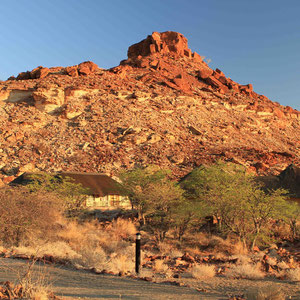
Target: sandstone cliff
{"x": 163, "y": 105}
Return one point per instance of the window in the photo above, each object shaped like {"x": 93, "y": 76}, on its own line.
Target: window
{"x": 114, "y": 200}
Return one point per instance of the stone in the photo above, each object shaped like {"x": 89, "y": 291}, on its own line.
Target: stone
{"x": 163, "y": 43}
{"x": 87, "y": 68}
{"x": 24, "y": 76}
{"x": 42, "y": 73}
{"x": 72, "y": 71}
{"x": 49, "y": 99}
{"x": 182, "y": 82}
{"x": 194, "y": 130}
{"x": 205, "y": 73}
{"x": 197, "y": 57}
{"x": 211, "y": 80}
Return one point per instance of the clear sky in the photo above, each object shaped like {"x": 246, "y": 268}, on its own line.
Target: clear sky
{"x": 255, "y": 41}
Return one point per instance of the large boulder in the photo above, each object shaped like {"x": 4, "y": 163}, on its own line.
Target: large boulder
{"x": 163, "y": 43}
{"x": 87, "y": 68}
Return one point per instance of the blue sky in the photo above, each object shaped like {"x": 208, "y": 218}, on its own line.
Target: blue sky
{"x": 253, "y": 41}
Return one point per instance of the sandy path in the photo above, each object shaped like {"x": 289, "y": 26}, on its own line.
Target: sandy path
{"x": 68, "y": 282}
{"x": 82, "y": 284}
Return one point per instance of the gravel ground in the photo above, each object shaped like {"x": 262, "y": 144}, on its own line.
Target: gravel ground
{"x": 71, "y": 283}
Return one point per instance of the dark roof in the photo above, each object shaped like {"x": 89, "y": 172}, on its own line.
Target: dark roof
{"x": 97, "y": 183}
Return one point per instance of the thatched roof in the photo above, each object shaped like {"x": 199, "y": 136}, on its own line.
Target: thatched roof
{"x": 97, "y": 183}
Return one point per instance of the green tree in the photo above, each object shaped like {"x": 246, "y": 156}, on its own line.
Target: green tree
{"x": 164, "y": 198}
{"x": 137, "y": 183}
{"x": 73, "y": 194}
{"x": 242, "y": 207}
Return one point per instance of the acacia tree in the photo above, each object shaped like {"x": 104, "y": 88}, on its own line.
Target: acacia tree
{"x": 164, "y": 198}
{"x": 137, "y": 183}
{"x": 218, "y": 189}
{"x": 242, "y": 207}
{"x": 73, "y": 194}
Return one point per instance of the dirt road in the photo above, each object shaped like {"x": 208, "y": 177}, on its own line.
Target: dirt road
{"x": 74, "y": 284}
{"x": 81, "y": 284}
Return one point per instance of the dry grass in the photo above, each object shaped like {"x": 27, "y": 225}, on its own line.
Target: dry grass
{"x": 271, "y": 292}
{"x": 32, "y": 283}
{"x": 122, "y": 263}
{"x": 121, "y": 228}
{"x": 293, "y": 274}
{"x": 145, "y": 272}
{"x": 241, "y": 259}
{"x": 203, "y": 271}
{"x": 58, "y": 249}
{"x": 283, "y": 265}
{"x": 90, "y": 245}
{"x": 216, "y": 245}
{"x": 160, "y": 266}
{"x": 245, "y": 271}
{"x": 165, "y": 248}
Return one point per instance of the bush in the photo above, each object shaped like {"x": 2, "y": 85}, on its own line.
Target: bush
{"x": 26, "y": 215}
{"x": 203, "y": 271}
{"x": 268, "y": 293}
{"x": 271, "y": 292}
{"x": 245, "y": 271}
{"x": 293, "y": 274}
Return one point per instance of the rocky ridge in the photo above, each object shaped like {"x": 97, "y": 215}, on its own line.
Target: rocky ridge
{"x": 163, "y": 105}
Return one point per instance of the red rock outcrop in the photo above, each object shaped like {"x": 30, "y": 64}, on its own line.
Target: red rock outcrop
{"x": 85, "y": 68}
{"x": 151, "y": 109}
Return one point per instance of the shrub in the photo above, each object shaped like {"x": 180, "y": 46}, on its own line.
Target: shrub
{"x": 246, "y": 271}
{"x": 121, "y": 263}
{"x": 32, "y": 283}
{"x": 121, "y": 228}
{"x": 26, "y": 214}
{"x": 268, "y": 293}
{"x": 293, "y": 274}
{"x": 203, "y": 271}
{"x": 160, "y": 266}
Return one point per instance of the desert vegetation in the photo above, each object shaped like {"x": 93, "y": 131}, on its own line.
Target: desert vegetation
{"x": 217, "y": 221}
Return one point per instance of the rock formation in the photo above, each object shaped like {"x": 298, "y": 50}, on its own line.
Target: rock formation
{"x": 162, "y": 105}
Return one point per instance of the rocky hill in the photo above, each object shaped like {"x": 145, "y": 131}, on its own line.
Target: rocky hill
{"x": 163, "y": 105}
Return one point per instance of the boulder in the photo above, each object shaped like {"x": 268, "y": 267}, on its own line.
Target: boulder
{"x": 163, "y": 43}
{"x": 205, "y": 73}
{"x": 24, "y": 76}
{"x": 197, "y": 57}
{"x": 39, "y": 72}
{"x": 87, "y": 68}
{"x": 182, "y": 82}
{"x": 72, "y": 71}
{"x": 211, "y": 80}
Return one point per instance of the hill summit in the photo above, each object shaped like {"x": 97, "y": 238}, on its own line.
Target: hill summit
{"x": 162, "y": 105}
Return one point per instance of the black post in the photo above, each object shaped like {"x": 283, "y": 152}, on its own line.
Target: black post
{"x": 137, "y": 253}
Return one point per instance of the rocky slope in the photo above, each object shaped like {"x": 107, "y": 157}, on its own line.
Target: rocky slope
{"x": 163, "y": 105}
